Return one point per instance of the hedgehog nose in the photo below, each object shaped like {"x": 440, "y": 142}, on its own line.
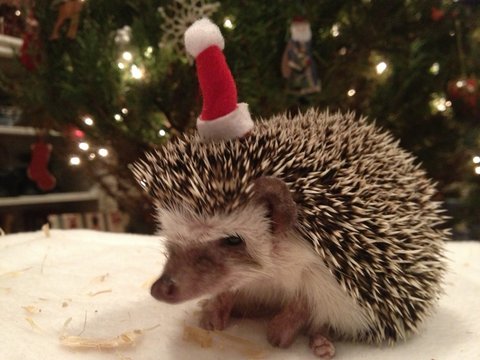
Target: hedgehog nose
{"x": 164, "y": 289}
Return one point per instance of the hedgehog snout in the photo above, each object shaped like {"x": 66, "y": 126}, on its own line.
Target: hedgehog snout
{"x": 165, "y": 289}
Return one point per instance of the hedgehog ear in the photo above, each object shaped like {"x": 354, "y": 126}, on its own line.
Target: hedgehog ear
{"x": 275, "y": 194}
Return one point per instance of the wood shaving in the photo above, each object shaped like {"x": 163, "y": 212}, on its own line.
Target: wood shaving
{"x": 149, "y": 282}
{"x": 246, "y": 347}
{"x": 46, "y": 229}
{"x": 125, "y": 339}
{"x": 43, "y": 263}
{"x": 197, "y": 335}
{"x": 99, "y": 292}
{"x": 100, "y": 278}
{"x": 206, "y": 338}
{"x": 15, "y": 273}
{"x": 33, "y": 324}
{"x": 31, "y": 309}
{"x": 123, "y": 357}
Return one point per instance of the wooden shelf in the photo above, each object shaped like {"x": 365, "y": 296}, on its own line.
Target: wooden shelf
{"x": 86, "y": 199}
{"x": 9, "y": 46}
{"x": 23, "y": 131}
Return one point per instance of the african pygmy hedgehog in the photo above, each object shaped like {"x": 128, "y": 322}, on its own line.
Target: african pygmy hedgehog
{"x": 319, "y": 220}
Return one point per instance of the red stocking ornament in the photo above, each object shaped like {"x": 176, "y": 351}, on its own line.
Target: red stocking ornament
{"x": 37, "y": 170}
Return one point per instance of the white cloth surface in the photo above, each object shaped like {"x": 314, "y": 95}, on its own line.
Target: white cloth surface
{"x": 104, "y": 278}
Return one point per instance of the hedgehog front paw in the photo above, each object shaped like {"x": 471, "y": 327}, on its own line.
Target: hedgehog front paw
{"x": 285, "y": 326}
{"x": 322, "y": 347}
{"x": 280, "y": 335}
{"x": 216, "y": 312}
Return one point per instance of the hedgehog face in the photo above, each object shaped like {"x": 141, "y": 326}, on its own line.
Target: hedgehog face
{"x": 213, "y": 254}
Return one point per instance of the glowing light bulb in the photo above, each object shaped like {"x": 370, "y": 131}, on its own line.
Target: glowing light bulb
{"x": 102, "y": 152}
{"x": 121, "y": 66}
{"x": 477, "y": 170}
{"x": 18, "y": 13}
{"x": 136, "y": 72}
{"x": 162, "y": 132}
{"x": 127, "y": 56}
{"x": 435, "y": 68}
{"x": 381, "y": 67}
{"x": 74, "y": 161}
{"x": 83, "y": 146}
{"x": 88, "y": 120}
{"x": 148, "y": 52}
{"x": 335, "y": 31}
{"x": 92, "y": 156}
{"x": 228, "y": 24}
{"x": 118, "y": 117}
{"x": 351, "y": 92}
{"x": 124, "y": 111}
{"x": 476, "y": 159}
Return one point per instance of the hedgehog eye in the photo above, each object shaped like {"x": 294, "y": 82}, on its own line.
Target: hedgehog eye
{"x": 233, "y": 240}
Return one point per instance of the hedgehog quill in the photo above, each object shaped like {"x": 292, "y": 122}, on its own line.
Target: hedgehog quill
{"x": 319, "y": 221}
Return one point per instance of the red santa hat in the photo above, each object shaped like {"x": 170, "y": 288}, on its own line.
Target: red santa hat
{"x": 222, "y": 117}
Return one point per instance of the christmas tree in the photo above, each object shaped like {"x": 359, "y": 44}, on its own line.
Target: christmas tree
{"x": 115, "y": 78}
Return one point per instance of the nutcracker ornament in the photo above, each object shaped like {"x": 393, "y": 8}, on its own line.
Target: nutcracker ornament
{"x": 298, "y": 66}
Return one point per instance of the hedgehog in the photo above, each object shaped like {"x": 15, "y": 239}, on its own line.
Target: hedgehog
{"x": 320, "y": 221}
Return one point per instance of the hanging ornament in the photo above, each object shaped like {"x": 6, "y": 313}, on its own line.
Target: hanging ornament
{"x": 437, "y": 14}
{"x": 178, "y": 16}
{"x": 298, "y": 66}
{"x": 464, "y": 91}
{"x": 30, "y": 51}
{"x": 67, "y": 10}
{"x": 38, "y": 169}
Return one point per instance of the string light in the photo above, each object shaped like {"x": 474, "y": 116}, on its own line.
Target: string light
{"x": 335, "y": 31}
{"x": 18, "y": 13}
{"x": 74, "y": 161}
{"x": 103, "y": 152}
{"x": 92, "y": 156}
{"x": 124, "y": 111}
{"x": 439, "y": 103}
{"x": 136, "y": 72}
{"x": 118, "y": 117}
{"x": 148, "y": 52}
{"x": 121, "y": 66}
{"x": 477, "y": 170}
{"x": 435, "y": 68}
{"x": 381, "y": 67}
{"x": 83, "y": 146}
{"x": 476, "y": 159}
{"x": 228, "y": 24}
{"x": 351, "y": 92}
{"x": 162, "y": 132}
{"x": 88, "y": 120}
{"x": 127, "y": 56}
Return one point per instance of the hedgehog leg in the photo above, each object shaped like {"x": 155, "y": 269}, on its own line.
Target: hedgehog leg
{"x": 321, "y": 346}
{"x": 284, "y": 327}
{"x": 216, "y": 311}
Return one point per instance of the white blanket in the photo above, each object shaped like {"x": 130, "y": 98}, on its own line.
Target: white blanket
{"x": 101, "y": 282}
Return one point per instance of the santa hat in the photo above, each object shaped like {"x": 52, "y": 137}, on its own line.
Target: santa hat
{"x": 221, "y": 117}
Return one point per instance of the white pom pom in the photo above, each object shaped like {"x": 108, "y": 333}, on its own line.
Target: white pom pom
{"x": 201, "y": 35}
